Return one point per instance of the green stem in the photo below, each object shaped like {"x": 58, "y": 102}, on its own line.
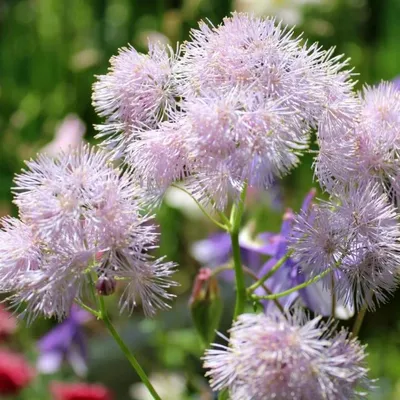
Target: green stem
{"x": 359, "y": 320}
{"x": 235, "y": 220}
{"x": 223, "y": 394}
{"x": 239, "y": 275}
{"x": 271, "y": 272}
{"x": 333, "y": 310}
{"x": 253, "y": 276}
{"x": 221, "y": 214}
{"x": 237, "y": 211}
{"x": 131, "y": 358}
{"x": 89, "y": 309}
{"x": 293, "y": 289}
{"x": 225, "y": 219}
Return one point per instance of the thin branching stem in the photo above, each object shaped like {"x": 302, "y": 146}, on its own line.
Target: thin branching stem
{"x": 270, "y": 273}
{"x": 235, "y": 220}
{"x": 225, "y": 227}
{"x": 293, "y": 289}
{"x": 128, "y": 354}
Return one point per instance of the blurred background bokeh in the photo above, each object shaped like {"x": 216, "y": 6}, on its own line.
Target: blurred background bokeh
{"x": 50, "y": 51}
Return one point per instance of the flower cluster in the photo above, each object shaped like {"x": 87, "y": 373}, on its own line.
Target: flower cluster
{"x": 356, "y": 233}
{"x": 136, "y": 93}
{"x": 287, "y": 357}
{"x": 80, "y": 221}
{"x": 235, "y": 106}
{"x": 365, "y": 149}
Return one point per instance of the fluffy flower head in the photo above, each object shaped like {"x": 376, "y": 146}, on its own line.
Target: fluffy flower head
{"x": 79, "y": 216}
{"x": 136, "y": 92}
{"x": 365, "y": 150}
{"x": 355, "y": 236}
{"x": 286, "y": 357}
{"x": 248, "y": 94}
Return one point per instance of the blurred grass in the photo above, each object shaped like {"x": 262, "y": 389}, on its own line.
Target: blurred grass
{"x": 50, "y": 51}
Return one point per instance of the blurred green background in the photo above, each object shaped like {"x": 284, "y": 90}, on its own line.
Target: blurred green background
{"x": 50, "y": 51}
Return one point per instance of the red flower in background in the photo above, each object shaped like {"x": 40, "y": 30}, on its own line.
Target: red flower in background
{"x": 79, "y": 391}
{"x": 8, "y": 323}
{"x": 15, "y": 373}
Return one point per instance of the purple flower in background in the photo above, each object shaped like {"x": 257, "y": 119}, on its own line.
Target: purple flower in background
{"x": 213, "y": 251}
{"x": 65, "y": 342}
{"x": 216, "y": 251}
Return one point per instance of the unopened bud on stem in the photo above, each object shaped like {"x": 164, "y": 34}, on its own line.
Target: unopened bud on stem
{"x": 105, "y": 285}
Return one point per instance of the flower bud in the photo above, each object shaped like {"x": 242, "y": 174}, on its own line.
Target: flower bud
{"x": 206, "y": 305}
{"x": 105, "y": 285}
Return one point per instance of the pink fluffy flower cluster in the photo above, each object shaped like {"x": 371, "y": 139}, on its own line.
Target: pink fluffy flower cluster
{"x": 81, "y": 225}
{"x": 234, "y": 106}
{"x": 356, "y": 234}
{"x": 237, "y": 105}
{"x": 287, "y": 357}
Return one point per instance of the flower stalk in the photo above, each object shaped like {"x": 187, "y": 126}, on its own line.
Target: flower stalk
{"x": 359, "y": 320}
{"x": 236, "y": 217}
{"x": 128, "y": 354}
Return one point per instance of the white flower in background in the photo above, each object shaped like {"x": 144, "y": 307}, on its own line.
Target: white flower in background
{"x": 177, "y": 198}
{"x": 289, "y": 11}
{"x": 170, "y": 386}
